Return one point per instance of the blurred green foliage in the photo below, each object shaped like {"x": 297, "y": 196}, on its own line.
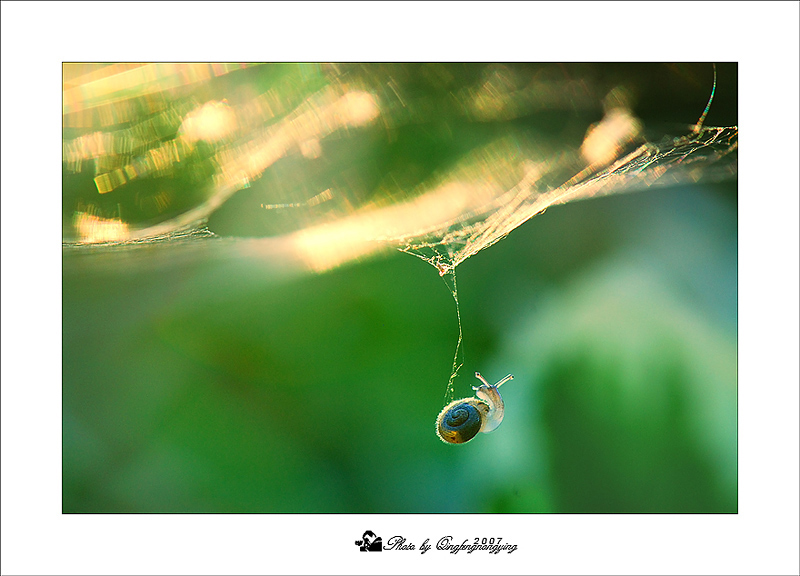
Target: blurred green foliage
{"x": 199, "y": 380}
{"x": 210, "y": 386}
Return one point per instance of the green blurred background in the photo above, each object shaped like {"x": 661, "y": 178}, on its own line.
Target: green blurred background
{"x": 199, "y": 379}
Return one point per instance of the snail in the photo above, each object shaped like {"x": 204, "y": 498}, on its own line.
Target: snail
{"x": 461, "y": 420}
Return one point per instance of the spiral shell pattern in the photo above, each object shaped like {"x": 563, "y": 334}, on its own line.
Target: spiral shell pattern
{"x": 461, "y": 420}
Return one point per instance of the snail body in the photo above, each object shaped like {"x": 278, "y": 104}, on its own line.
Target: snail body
{"x": 462, "y": 419}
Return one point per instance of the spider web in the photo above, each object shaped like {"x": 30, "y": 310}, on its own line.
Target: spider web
{"x": 708, "y": 155}
{"x": 704, "y": 154}
{"x": 150, "y": 152}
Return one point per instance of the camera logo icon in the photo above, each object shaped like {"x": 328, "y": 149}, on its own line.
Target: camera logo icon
{"x": 370, "y": 542}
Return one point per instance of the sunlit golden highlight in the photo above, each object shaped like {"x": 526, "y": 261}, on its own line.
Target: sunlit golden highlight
{"x": 320, "y": 116}
{"x": 124, "y": 143}
{"x": 156, "y": 162}
{"x": 92, "y": 229}
{"x": 206, "y": 140}
{"x": 211, "y": 122}
{"x": 605, "y": 141}
{"x": 237, "y": 165}
{"x": 329, "y": 245}
{"x": 323, "y": 196}
{"x": 127, "y": 80}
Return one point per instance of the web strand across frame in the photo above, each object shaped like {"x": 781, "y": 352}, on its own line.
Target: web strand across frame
{"x": 708, "y": 155}
{"x": 449, "y": 391}
{"x": 702, "y": 118}
{"x": 151, "y": 151}
{"x": 504, "y": 185}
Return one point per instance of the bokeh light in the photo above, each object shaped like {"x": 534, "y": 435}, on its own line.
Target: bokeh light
{"x": 245, "y": 328}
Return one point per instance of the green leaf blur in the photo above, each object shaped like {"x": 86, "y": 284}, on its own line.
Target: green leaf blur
{"x": 197, "y": 378}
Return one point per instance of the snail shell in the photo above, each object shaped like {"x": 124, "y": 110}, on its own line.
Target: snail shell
{"x": 461, "y": 420}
